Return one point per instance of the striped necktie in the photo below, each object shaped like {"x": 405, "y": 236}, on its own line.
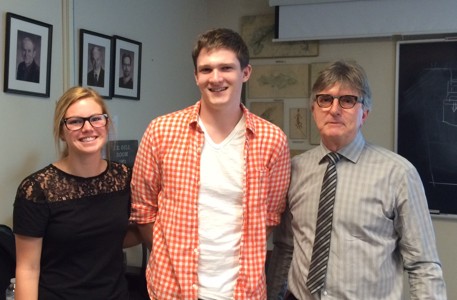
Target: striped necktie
{"x": 319, "y": 258}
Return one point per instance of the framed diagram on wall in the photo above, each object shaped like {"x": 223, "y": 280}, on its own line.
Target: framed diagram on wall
{"x": 291, "y": 115}
{"x": 427, "y": 117}
{"x": 270, "y": 110}
{"x": 278, "y": 91}
{"x": 258, "y": 33}
{"x": 279, "y": 81}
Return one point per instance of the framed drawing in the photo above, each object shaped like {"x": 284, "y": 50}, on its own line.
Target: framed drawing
{"x": 258, "y": 33}
{"x": 27, "y": 56}
{"x": 279, "y": 81}
{"x": 95, "y": 62}
{"x": 291, "y": 115}
{"x": 269, "y": 110}
{"x": 298, "y": 123}
{"x": 127, "y": 68}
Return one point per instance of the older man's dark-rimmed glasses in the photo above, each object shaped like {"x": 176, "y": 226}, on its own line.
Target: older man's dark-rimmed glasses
{"x": 345, "y": 101}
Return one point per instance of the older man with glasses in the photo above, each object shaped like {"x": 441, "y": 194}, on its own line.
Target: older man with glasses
{"x": 352, "y": 232}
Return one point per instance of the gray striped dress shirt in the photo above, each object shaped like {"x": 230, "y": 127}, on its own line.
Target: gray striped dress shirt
{"x": 381, "y": 228}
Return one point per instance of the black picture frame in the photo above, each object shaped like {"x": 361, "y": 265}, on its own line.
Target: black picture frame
{"x": 101, "y": 46}
{"x": 27, "y": 56}
{"x": 126, "y": 48}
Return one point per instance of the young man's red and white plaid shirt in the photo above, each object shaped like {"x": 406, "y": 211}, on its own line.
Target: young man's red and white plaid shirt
{"x": 165, "y": 188}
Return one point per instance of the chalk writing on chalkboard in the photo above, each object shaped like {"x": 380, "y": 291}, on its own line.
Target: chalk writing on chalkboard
{"x": 427, "y": 117}
{"x": 123, "y": 151}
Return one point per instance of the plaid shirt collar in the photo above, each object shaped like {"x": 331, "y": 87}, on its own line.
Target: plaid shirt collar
{"x": 193, "y": 119}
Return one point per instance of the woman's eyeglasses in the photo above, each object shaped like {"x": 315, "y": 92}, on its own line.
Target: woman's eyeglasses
{"x": 76, "y": 123}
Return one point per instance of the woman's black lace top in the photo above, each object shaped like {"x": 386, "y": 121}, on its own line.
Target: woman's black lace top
{"x": 82, "y": 222}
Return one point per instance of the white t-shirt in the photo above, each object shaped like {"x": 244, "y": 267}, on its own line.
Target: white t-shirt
{"x": 220, "y": 213}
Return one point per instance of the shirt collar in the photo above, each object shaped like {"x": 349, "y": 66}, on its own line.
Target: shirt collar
{"x": 351, "y": 152}
{"x": 193, "y": 120}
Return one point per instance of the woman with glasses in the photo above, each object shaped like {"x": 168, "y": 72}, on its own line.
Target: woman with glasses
{"x": 71, "y": 217}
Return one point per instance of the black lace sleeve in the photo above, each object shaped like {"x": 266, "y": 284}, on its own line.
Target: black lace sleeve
{"x": 30, "y": 212}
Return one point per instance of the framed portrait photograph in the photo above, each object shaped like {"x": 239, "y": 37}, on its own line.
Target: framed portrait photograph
{"x": 127, "y": 68}
{"x": 27, "y": 56}
{"x": 95, "y": 62}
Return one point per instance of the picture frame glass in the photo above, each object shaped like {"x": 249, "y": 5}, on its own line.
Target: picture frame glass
{"x": 27, "y": 56}
{"x": 96, "y": 62}
{"x": 127, "y": 68}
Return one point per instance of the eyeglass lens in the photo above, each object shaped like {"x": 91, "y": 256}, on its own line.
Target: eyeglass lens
{"x": 345, "y": 101}
{"x": 76, "y": 123}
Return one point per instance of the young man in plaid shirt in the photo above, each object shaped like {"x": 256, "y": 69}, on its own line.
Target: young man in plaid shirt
{"x": 209, "y": 183}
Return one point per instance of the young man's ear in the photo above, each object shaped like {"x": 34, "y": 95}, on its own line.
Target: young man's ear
{"x": 247, "y": 72}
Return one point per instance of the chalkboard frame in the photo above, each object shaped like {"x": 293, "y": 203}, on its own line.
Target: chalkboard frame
{"x": 426, "y": 117}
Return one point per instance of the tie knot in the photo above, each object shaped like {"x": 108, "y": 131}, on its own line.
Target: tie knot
{"x": 333, "y": 157}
